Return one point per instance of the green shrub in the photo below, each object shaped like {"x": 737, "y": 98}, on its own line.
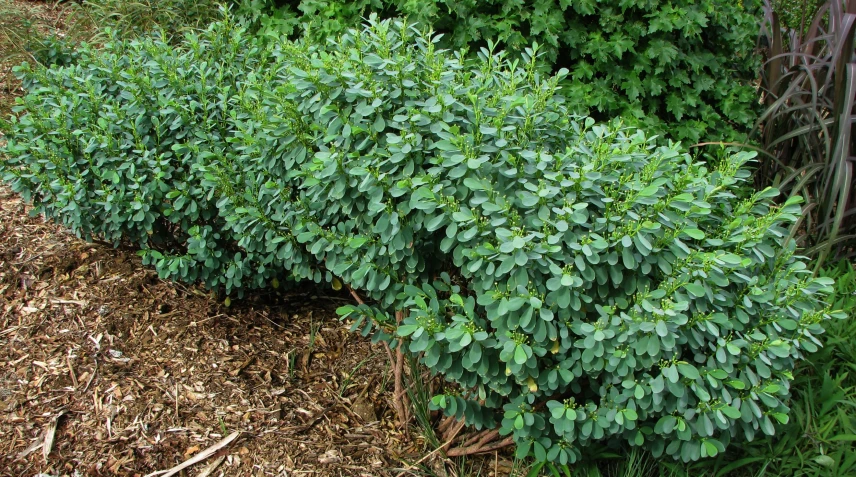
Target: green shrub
{"x": 685, "y": 67}
{"x": 817, "y": 440}
{"x": 137, "y": 102}
{"x": 572, "y": 282}
{"x": 796, "y": 14}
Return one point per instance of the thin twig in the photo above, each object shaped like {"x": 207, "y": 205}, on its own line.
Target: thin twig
{"x": 477, "y": 437}
{"x": 456, "y": 430}
{"x": 400, "y": 397}
{"x": 71, "y": 371}
{"x": 94, "y": 371}
{"x": 50, "y": 433}
{"x": 356, "y": 297}
{"x": 198, "y": 457}
{"x": 388, "y": 352}
{"x": 445, "y": 423}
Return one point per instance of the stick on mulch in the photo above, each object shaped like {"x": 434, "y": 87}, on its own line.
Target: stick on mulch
{"x": 198, "y": 457}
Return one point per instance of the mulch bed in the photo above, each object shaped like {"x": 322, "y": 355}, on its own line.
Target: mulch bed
{"x": 137, "y": 375}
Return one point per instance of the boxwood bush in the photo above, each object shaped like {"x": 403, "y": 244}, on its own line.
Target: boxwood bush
{"x": 573, "y": 282}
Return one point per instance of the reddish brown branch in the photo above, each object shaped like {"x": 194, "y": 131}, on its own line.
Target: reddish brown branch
{"x": 445, "y": 423}
{"x": 481, "y": 438}
{"x": 452, "y": 433}
{"x": 361, "y": 302}
{"x": 400, "y": 398}
{"x": 388, "y": 352}
{"x": 480, "y": 448}
{"x": 477, "y": 444}
{"x": 356, "y": 297}
{"x": 400, "y": 402}
{"x": 426, "y": 456}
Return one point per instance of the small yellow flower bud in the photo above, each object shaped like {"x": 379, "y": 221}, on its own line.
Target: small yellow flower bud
{"x": 533, "y": 386}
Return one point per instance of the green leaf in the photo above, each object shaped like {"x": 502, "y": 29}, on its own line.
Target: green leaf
{"x": 825, "y": 461}
{"x": 661, "y": 328}
{"x": 379, "y": 124}
{"x": 688, "y": 371}
{"x": 695, "y": 289}
{"x": 520, "y": 355}
{"x": 445, "y": 145}
{"x": 649, "y": 191}
{"x": 407, "y": 330}
{"x": 710, "y": 449}
{"x": 694, "y": 233}
{"x": 435, "y": 223}
{"x": 731, "y": 412}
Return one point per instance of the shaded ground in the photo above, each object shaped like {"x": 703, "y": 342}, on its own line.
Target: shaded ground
{"x": 139, "y": 374}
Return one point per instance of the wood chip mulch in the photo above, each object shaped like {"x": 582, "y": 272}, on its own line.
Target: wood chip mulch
{"x": 107, "y": 370}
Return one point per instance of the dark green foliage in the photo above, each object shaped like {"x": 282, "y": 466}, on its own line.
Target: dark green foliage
{"x": 808, "y": 126}
{"x": 122, "y": 179}
{"x": 820, "y": 439}
{"x": 54, "y": 50}
{"x": 573, "y": 282}
{"x": 685, "y": 67}
{"x": 796, "y": 14}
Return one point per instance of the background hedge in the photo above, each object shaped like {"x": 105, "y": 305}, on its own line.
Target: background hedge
{"x": 682, "y": 68}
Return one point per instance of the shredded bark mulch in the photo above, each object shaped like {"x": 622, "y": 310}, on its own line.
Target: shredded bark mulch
{"x": 106, "y": 370}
